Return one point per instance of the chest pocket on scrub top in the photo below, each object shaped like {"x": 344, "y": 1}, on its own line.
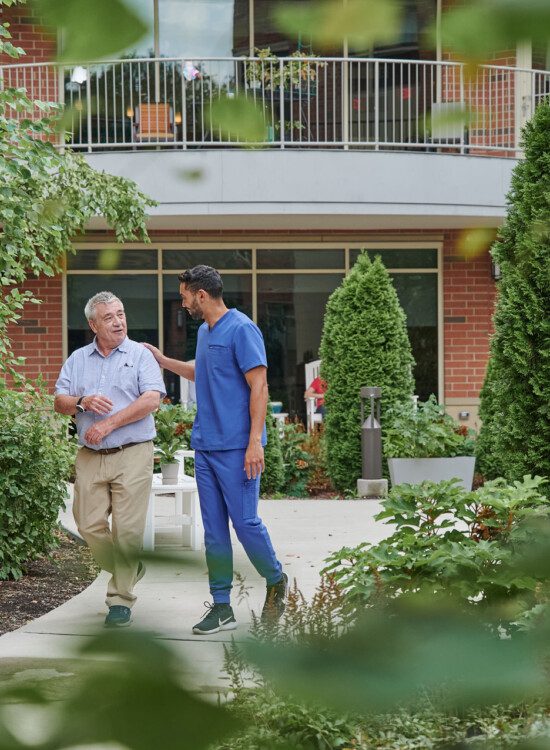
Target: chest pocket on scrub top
{"x": 220, "y": 357}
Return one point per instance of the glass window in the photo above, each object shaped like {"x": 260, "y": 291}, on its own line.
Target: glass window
{"x": 301, "y": 258}
{"x": 203, "y": 28}
{"x": 144, "y": 47}
{"x": 290, "y": 315}
{"x": 417, "y": 294}
{"x": 111, "y": 259}
{"x": 180, "y": 330}
{"x": 138, "y": 294}
{"x": 404, "y": 258}
{"x": 179, "y": 260}
{"x": 267, "y": 33}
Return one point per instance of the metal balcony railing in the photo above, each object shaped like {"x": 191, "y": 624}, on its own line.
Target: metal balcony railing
{"x": 310, "y": 102}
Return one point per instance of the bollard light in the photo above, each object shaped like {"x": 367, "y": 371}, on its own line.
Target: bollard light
{"x": 372, "y": 484}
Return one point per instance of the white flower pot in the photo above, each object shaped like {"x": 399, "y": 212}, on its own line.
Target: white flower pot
{"x": 170, "y": 473}
{"x": 417, "y": 470}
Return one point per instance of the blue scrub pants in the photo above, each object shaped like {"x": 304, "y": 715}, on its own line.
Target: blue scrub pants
{"x": 226, "y": 493}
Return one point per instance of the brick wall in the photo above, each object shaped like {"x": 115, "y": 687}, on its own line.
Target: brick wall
{"x": 39, "y": 334}
{"x": 469, "y": 295}
{"x": 38, "y": 42}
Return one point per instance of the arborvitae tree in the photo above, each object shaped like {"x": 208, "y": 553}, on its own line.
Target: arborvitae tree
{"x": 515, "y": 400}
{"x": 273, "y": 478}
{"x": 364, "y": 342}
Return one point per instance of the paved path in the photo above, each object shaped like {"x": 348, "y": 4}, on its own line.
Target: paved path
{"x": 171, "y": 596}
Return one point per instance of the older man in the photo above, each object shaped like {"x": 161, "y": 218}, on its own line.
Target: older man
{"x": 112, "y": 386}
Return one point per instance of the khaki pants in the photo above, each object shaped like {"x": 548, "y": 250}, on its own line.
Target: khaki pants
{"x": 118, "y": 484}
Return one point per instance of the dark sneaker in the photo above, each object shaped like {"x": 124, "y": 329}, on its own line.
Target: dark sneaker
{"x": 118, "y": 617}
{"x": 218, "y": 617}
{"x": 275, "y": 600}
{"x": 140, "y": 571}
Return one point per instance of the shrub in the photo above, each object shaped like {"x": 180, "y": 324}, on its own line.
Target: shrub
{"x": 36, "y": 457}
{"x": 452, "y": 542}
{"x": 515, "y": 432}
{"x": 318, "y": 480}
{"x": 273, "y": 477}
{"x": 296, "y": 460}
{"x": 364, "y": 342}
{"x": 424, "y": 431}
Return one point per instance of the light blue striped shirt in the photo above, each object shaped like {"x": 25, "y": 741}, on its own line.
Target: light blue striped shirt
{"x": 123, "y": 376}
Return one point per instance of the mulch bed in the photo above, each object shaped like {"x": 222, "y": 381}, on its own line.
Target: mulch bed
{"x": 47, "y": 583}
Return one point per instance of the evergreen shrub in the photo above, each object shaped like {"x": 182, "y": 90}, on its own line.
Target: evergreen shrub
{"x": 364, "y": 343}
{"x": 273, "y": 477}
{"x": 515, "y": 399}
{"x": 36, "y": 457}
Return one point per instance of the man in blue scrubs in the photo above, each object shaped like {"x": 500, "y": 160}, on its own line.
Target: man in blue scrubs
{"x": 230, "y": 374}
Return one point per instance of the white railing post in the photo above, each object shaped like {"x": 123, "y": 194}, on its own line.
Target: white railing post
{"x": 61, "y": 97}
{"x": 281, "y": 103}
{"x": 376, "y": 105}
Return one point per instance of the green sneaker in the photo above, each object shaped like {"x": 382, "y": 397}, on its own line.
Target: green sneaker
{"x": 218, "y": 617}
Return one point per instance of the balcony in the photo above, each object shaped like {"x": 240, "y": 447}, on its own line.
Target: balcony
{"x": 306, "y": 103}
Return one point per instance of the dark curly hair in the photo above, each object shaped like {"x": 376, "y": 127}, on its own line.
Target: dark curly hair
{"x": 203, "y": 277}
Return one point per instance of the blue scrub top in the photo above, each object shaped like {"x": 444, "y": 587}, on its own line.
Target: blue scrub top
{"x": 224, "y": 354}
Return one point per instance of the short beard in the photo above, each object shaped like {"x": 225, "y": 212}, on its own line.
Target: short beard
{"x": 195, "y": 313}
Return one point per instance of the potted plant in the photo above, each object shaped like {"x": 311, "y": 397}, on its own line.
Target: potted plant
{"x": 297, "y": 76}
{"x": 422, "y": 443}
{"x": 171, "y": 428}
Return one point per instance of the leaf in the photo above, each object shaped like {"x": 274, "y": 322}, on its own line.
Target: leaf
{"x": 478, "y": 30}
{"x": 238, "y": 118}
{"x": 329, "y": 22}
{"x": 91, "y": 30}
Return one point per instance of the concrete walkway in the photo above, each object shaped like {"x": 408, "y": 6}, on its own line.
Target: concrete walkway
{"x": 171, "y": 596}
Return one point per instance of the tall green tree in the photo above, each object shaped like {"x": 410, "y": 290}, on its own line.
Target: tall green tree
{"x": 47, "y": 199}
{"x": 364, "y": 342}
{"x": 515, "y": 400}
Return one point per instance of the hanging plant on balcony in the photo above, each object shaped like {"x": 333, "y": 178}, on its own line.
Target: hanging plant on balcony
{"x": 297, "y": 75}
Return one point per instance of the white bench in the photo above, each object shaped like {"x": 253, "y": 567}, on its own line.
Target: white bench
{"x": 185, "y": 499}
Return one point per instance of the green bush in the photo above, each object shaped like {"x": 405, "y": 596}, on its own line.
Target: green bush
{"x": 273, "y": 477}
{"x": 296, "y": 460}
{"x": 364, "y": 343}
{"x": 515, "y": 411}
{"x": 424, "y": 431}
{"x": 36, "y": 457}
{"x": 451, "y": 542}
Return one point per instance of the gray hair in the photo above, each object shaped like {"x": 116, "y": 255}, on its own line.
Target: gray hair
{"x": 101, "y": 298}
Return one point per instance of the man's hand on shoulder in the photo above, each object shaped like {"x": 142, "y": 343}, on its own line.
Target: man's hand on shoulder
{"x": 97, "y": 404}
{"x": 157, "y": 354}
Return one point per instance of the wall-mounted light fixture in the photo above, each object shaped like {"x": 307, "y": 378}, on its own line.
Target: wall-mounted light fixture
{"x": 130, "y": 112}
{"x": 496, "y": 273}
{"x": 177, "y": 118}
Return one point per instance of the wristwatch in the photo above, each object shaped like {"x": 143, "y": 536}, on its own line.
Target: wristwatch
{"x": 79, "y": 408}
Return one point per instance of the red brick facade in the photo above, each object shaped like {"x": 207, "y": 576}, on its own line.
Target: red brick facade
{"x": 39, "y": 334}
{"x": 40, "y": 44}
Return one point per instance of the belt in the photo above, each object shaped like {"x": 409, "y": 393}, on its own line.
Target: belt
{"x": 108, "y": 451}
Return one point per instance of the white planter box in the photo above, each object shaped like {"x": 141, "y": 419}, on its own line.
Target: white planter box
{"x": 417, "y": 470}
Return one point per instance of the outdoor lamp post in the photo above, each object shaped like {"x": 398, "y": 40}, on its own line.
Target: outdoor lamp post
{"x": 372, "y": 484}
